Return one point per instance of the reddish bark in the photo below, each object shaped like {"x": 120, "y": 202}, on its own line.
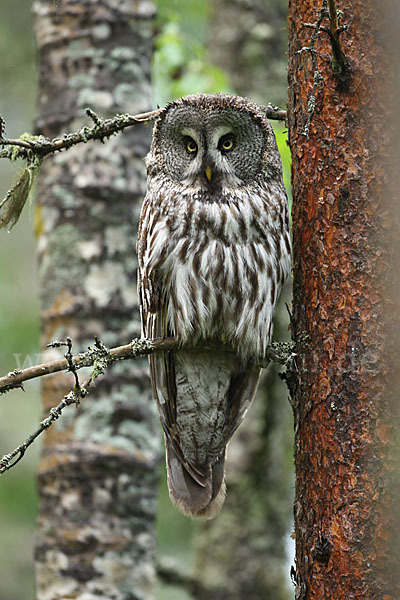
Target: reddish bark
{"x": 344, "y": 419}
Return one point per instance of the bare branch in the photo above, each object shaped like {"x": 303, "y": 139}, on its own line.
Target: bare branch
{"x": 101, "y": 129}
{"x": 339, "y": 60}
{"x": 11, "y": 142}
{"x": 100, "y": 358}
{"x": 275, "y": 113}
{"x": 137, "y": 347}
{"x": 279, "y": 352}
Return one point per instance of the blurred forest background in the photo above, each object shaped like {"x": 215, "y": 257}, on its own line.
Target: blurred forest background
{"x": 197, "y": 49}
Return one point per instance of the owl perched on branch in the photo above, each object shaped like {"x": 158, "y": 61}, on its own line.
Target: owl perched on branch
{"x": 214, "y": 251}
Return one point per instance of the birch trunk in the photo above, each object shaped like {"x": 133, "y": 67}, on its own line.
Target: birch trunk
{"x": 99, "y": 467}
{"x": 249, "y": 41}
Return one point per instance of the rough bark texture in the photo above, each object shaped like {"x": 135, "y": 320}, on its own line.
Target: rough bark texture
{"x": 345, "y": 423}
{"x": 98, "y": 472}
{"x": 249, "y": 40}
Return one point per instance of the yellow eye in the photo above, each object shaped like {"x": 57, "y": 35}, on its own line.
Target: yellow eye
{"x": 191, "y": 146}
{"x": 226, "y": 143}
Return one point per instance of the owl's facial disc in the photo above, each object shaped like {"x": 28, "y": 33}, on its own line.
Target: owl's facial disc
{"x": 223, "y": 141}
{"x": 210, "y": 150}
{"x": 192, "y": 145}
{"x": 208, "y": 167}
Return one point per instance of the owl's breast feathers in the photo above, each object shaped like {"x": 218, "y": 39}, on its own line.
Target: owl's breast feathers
{"x": 209, "y": 274}
{"x": 221, "y": 264}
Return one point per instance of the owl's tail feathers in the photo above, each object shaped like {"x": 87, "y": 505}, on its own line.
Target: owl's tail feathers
{"x": 191, "y": 498}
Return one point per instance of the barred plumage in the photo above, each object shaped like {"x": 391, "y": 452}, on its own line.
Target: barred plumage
{"x": 214, "y": 251}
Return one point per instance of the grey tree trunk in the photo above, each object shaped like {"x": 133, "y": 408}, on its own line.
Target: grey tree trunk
{"x": 249, "y": 41}
{"x": 99, "y": 467}
{"x": 243, "y": 549}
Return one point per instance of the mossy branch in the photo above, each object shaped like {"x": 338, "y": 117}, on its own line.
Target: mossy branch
{"x": 33, "y": 149}
{"x": 102, "y": 128}
{"x": 99, "y": 358}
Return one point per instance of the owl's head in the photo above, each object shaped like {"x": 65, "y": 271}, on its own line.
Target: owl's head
{"x": 213, "y": 142}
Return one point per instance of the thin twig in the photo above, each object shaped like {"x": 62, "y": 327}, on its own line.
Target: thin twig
{"x": 275, "y": 113}
{"x": 339, "y": 60}
{"x": 11, "y": 142}
{"x": 54, "y": 414}
{"x": 78, "y": 391}
{"x": 99, "y": 358}
{"x": 5, "y": 462}
{"x": 137, "y": 347}
{"x": 100, "y": 130}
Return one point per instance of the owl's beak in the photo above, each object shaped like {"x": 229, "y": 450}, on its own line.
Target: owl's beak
{"x": 208, "y": 172}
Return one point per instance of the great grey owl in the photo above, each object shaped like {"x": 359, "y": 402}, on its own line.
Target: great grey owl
{"x": 214, "y": 251}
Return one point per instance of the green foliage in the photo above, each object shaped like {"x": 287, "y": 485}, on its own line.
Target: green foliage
{"x": 181, "y": 64}
{"x": 283, "y": 146}
{"x": 193, "y": 16}
{"x": 17, "y": 72}
{"x": 18, "y": 497}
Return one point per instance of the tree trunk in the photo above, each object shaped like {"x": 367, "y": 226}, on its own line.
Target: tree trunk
{"x": 345, "y": 420}
{"x": 98, "y": 472}
{"x": 248, "y": 40}
{"x": 243, "y": 549}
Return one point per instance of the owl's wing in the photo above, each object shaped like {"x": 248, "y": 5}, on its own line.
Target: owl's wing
{"x": 153, "y": 301}
{"x": 197, "y": 491}
{"x": 195, "y": 486}
{"x": 163, "y": 379}
{"x": 212, "y": 392}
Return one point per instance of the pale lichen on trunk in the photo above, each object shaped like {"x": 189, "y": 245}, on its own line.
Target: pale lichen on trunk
{"x": 98, "y": 473}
